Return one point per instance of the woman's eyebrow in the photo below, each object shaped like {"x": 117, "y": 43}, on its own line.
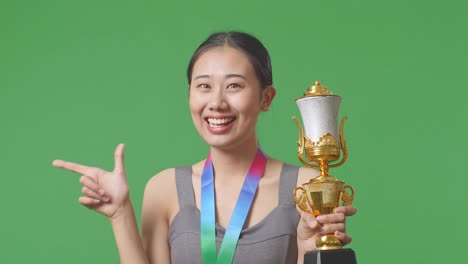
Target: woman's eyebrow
{"x": 202, "y": 76}
{"x": 232, "y": 75}
{"x": 236, "y": 75}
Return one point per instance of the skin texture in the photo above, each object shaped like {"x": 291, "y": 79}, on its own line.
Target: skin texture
{"x": 224, "y": 86}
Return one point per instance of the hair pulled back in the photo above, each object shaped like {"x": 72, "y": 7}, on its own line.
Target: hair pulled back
{"x": 251, "y": 46}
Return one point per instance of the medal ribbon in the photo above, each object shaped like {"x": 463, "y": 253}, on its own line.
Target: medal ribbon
{"x": 241, "y": 210}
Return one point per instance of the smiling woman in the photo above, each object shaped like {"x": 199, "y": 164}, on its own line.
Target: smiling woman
{"x": 234, "y": 207}
{"x": 226, "y": 97}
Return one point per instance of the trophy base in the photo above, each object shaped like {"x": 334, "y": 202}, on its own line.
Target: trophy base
{"x": 335, "y": 256}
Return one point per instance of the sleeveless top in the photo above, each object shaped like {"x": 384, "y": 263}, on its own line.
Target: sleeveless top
{"x": 272, "y": 240}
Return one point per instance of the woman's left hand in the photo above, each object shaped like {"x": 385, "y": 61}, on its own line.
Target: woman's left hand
{"x": 309, "y": 227}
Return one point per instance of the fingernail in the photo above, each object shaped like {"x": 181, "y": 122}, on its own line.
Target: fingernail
{"x": 101, "y": 192}
{"x": 106, "y": 199}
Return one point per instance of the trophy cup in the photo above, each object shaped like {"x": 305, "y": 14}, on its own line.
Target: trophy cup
{"x": 322, "y": 145}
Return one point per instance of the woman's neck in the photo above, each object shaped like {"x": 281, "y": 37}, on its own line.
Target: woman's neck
{"x": 234, "y": 163}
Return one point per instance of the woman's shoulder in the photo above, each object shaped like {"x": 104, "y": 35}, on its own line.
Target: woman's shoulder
{"x": 304, "y": 173}
{"x": 165, "y": 180}
{"x": 160, "y": 188}
{"x": 162, "y": 179}
{"x": 161, "y": 191}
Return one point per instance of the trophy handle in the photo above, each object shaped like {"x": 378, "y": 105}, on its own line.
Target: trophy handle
{"x": 348, "y": 199}
{"x": 343, "y": 144}
{"x": 300, "y": 145}
{"x": 301, "y": 201}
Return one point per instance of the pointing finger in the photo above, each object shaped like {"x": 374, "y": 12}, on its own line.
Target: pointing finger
{"x": 74, "y": 167}
{"x": 119, "y": 159}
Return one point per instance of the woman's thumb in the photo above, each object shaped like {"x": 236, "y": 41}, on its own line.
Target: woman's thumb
{"x": 119, "y": 159}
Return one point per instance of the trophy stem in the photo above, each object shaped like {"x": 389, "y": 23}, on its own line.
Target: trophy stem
{"x": 324, "y": 168}
{"x": 324, "y": 176}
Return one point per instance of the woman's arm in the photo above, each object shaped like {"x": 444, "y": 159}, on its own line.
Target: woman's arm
{"x": 126, "y": 235}
{"x": 160, "y": 205}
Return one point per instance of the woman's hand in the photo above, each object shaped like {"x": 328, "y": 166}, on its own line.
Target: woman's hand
{"x": 309, "y": 227}
{"x": 103, "y": 191}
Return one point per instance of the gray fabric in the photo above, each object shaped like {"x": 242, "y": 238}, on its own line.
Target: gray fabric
{"x": 272, "y": 240}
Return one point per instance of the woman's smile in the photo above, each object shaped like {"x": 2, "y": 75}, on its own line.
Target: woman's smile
{"x": 219, "y": 125}
{"x": 225, "y": 97}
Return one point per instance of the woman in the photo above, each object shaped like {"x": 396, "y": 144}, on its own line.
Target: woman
{"x": 230, "y": 83}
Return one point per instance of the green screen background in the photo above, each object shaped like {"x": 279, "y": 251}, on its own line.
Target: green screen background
{"x": 79, "y": 77}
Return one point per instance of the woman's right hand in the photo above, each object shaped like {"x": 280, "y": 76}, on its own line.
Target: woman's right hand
{"x": 103, "y": 191}
{"x": 310, "y": 227}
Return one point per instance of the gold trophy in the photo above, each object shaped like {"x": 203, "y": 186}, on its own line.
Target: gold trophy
{"x": 322, "y": 144}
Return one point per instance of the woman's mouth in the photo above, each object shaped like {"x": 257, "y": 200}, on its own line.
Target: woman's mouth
{"x": 219, "y": 122}
{"x": 219, "y": 125}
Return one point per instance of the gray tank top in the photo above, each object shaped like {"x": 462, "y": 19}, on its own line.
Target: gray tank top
{"x": 272, "y": 240}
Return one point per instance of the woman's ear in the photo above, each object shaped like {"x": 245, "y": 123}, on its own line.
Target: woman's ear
{"x": 268, "y": 95}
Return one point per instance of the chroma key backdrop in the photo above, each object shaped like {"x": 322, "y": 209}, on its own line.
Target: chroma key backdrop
{"x": 79, "y": 77}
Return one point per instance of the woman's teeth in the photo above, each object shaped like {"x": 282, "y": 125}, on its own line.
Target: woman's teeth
{"x": 216, "y": 122}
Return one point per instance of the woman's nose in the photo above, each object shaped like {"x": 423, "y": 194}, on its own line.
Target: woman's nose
{"x": 218, "y": 100}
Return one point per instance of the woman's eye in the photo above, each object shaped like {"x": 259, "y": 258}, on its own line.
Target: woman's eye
{"x": 203, "y": 85}
{"x": 233, "y": 85}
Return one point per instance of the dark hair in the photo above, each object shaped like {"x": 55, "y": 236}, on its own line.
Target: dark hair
{"x": 251, "y": 46}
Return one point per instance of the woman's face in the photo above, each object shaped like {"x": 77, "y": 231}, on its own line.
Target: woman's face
{"x": 226, "y": 98}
